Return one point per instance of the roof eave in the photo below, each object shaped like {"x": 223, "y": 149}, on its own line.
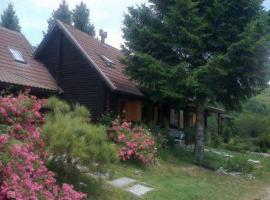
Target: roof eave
{"x": 129, "y": 93}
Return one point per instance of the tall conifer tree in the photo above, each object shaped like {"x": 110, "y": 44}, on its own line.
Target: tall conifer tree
{"x": 62, "y": 13}
{"x": 9, "y": 19}
{"x": 81, "y": 19}
{"x": 199, "y": 52}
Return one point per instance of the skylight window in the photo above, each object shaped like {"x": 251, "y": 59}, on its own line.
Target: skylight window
{"x": 108, "y": 61}
{"x": 17, "y": 55}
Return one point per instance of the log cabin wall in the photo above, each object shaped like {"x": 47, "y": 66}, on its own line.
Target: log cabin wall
{"x": 79, "y": 80}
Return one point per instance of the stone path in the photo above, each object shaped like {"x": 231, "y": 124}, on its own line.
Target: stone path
{"x": 266, "y": 195}
{"x": 132, "y": 186}
{"x": 122, "y": 182}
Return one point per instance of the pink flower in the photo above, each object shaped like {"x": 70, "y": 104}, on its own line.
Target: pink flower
{"x": 18, "y": 127}
{"x": 3, "y": 111}
{"x": 121, "y": 138}
{"x": 4, "y": 139}
{"x": 130, "y": 152}
{"x": 24, "y": 175}
{"x": 37, "y": 114}
{"x": 126, "y": 125}
{"x": 9, "y": 120}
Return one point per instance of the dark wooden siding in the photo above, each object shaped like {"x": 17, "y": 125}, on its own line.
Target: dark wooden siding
{"x": 79, "y": 80}
{"x": 50, "y": 54}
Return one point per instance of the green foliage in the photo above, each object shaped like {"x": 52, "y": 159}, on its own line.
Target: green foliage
{"x": 81, "y": 21}
{"x": 79, "y": 17}
{"x": 256, "y": 106}
{"x": 250, "y": 124}
{"x": 228, "y": 130}
{"x": 216, "y": 140}
{"x": 176, "y": 49}
{"x": 9, "y": 19}
{"x": 263, "y": 141}
{"x": 107, "y": 119}
{"x": 180, "y": 50}
{"x": 234, "y": 164}
{"x": 73, "y": 141}
{"x": 62, "y": 13}
{"x": 248, "y": 128}
{"x": 163, "y": 139}
{"x": 239, "y": 144}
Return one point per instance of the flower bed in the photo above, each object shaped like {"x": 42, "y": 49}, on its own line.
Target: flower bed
{"x": 23, "y": 172}
{"x": 136, "y": 143}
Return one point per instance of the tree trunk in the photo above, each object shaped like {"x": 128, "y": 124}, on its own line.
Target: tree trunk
{"x": 199, "y": 148}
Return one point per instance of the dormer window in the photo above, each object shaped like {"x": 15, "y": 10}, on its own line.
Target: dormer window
{"x": 108, "y": 61}
{"x": 17, "y": 55}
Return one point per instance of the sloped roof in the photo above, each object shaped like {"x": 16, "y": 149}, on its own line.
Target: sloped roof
{"x": 32, "y": 73}
{"x": 93, "y": 50}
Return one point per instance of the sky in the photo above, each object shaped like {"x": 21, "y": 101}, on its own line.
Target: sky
{"x": 104, "y": 14}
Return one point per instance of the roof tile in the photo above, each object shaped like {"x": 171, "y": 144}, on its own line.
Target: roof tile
{"x": 32, "y": 74}
{"x": 94, "y": 48}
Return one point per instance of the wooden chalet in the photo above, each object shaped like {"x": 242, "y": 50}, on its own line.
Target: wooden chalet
{"x": 89, "y": 72}
{"x": 80, "y": 68}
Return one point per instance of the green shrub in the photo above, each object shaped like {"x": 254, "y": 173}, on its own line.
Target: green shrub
{"x": 107, "y": 118}
{"x": 216, "y": 140}
{"x": 237, "y": 164}
{"x": 73, "y": 141}
{"x": 238, "y": 144}
{"x": 230, "y": 164}
{"x": 163, "y": 139}
{"x": 257, "y": 106}
{"x": 263, "y": 141}
{"x": 250, "y": 124}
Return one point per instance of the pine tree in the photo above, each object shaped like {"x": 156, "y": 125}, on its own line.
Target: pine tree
{"x": 9, "y": 19}
{"x": 62, "y": 13}
{"x": 81, "y": 19}
{"x": 198, "y": 51}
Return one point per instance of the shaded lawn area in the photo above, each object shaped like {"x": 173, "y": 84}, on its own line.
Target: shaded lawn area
{"x": 176, "y": 177}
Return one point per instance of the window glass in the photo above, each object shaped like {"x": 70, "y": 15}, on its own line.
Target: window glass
{"x": 17, "y": 55}
{"x": 108, "y": 61}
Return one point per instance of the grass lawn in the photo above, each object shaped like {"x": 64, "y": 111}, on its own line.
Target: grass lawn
{"x": 176, "y": 177}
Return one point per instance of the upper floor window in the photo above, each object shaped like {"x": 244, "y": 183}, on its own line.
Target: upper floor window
{"x": 17, "y": 55}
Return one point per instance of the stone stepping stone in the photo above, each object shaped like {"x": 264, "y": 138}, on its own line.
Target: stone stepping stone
{"x": 254, "y": 161}
{"x": 122, "y": 182}
{"x": 139, "y": 190}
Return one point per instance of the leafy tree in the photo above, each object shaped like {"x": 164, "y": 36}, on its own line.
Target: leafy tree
{"x": 62, "y": 13}
{"x": 255, "y": 106}
{"x": 207, "y": 51}
{"x": 249, "y": 124}
{"x": 9, "y": 19}
{"x": 81, "y": 19}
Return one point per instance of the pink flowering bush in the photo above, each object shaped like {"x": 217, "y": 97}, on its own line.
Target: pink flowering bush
{"x": 136, "y": 143}
{"x": 23, "y": 174}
